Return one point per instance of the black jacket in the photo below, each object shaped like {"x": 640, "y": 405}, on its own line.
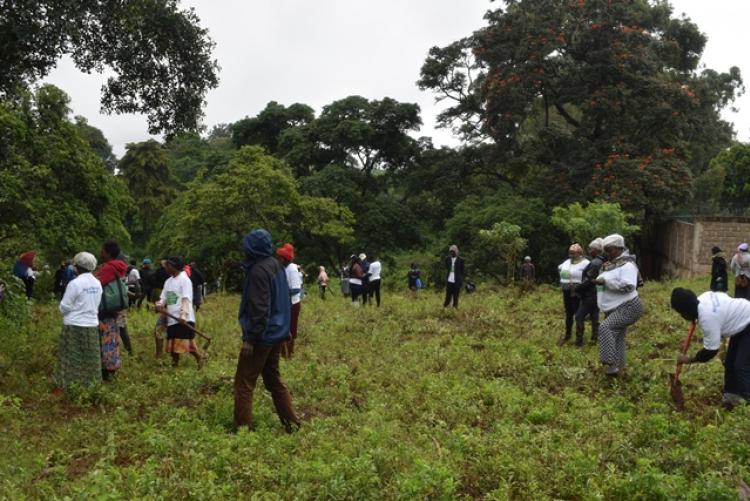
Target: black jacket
{"x": 459, "y": 270}
{"x": 719, "y": 274}
{"x": 587, "y": 287}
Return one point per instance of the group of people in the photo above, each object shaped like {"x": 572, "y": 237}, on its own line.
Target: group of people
{"x": 360, "y": 279}
{"x": 606, "y": 281}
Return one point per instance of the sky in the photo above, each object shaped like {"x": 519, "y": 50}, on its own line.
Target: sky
{"x": 318, "y": 52}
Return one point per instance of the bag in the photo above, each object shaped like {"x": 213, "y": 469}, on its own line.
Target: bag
{"x": 114, "y": 297}
{"x": 419, "y": 283}
{"x": 741, "y": 281}
{"x": 20, "y": 270}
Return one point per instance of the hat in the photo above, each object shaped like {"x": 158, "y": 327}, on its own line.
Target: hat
{"x": 147, "y": 261}
{"x": 85, "y": 261}
{"x": 176, "y": 261}
{"x": 742, "y": 247}
{"x": 685, "y": 303}
{"x": 286, "y": 252}
{"x": 597, "y": 244}
{"x": 613, "y": 240}
{"x": 363, "y": 256}
{"x": 527, "y": 258}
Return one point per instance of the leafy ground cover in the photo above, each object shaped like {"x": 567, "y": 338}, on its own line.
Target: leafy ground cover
{"x": 406, "y": 402}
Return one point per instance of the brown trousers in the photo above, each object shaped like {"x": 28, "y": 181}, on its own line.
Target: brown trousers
{"x": 255, "y": 361}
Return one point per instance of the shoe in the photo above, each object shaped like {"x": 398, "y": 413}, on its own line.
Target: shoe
{"x": 730, "y": 400}
{"x": 612, "y": 371}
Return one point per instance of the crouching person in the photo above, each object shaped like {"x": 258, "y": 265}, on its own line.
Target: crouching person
{"x": 265, "y": 317}
{"x": 720, "y": 316}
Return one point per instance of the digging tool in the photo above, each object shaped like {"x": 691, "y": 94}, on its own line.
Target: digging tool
{"x": 675, "y": 386}
{"x": 201, "y": 334}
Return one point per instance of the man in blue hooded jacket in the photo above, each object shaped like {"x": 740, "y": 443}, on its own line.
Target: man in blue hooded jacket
{"x": 265, "y": 316}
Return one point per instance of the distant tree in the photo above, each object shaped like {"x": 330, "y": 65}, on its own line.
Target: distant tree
{"x": 159, "y": 55}
{"x": 145, "y": 171}
{"x": 735, "y": 162}
{"x": 266, "y": 128}
{"x": 98, "y": 142}
{"x": 190, "y": 155}
{"x": 502, "y": 244}
{"x": 583, "y": 224}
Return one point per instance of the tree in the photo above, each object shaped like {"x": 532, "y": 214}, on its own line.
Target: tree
{"x": 98, "y": 142}
{"x": 190, "y": 155}
{"x": 57, "y": 195}
{"x": 596, "y": 219}
{"x": 599, "y": 98}
{"x": 503, "y": 244}
{"x": 207, "y": 221}
{"x": 735, "y": 163}
{"x": 145, "y": 171}
{"x": 159, "y": 54}
{"x": 266, "y": 128}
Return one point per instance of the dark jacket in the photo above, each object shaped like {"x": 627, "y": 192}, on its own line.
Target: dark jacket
{"x": 265, "y": 309}
{"x": 459, "y": 270}
{"x": 587, "y": 288}
{"x": 719, "y": 274}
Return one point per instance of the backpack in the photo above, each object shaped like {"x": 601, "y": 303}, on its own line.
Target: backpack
{"x": 20, "y": 270}
{"x": 114, "y": 297}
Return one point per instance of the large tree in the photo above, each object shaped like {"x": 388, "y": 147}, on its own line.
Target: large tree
{"x": 588, "y": 99}
{"x": 159, "y": 55}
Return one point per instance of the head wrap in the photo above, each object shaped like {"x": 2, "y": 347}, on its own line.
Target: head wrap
{"x": 742, "y": 247}
{"x": 576, "y": 248}
{"x": 286, "y": 252}
{"x": 613, "y": 240}
{"x": 453, "y": 248}
{"x": 85, "y": 261}
{"x": 363, "y": 256}
{"x": 176, "y": 261}
{"x": 597, "y": 244}
{"x": 685, "y": 303}
{"x": 527, "y": 258}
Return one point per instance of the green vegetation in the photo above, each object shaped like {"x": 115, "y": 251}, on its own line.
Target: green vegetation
{"x": 406, "y": 402}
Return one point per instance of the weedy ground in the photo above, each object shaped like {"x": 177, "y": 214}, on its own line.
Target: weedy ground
{"x": 408, "y": 401}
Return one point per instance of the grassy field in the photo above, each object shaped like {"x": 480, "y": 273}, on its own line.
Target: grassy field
{"x": 408, "y": 401}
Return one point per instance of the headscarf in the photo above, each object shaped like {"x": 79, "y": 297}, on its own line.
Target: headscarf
{"x": 742, "y": 247}
{"x": 685, "y": 303}
{"x": 614, "y": 240}
{"x": 597, "y": 243}
{"x": 85, "y": 261}
{"x": 362, "y": 256}
{"x": 527, "y": 259}
{"x": 286, "y": 252}
{"x": 453, "y": 248}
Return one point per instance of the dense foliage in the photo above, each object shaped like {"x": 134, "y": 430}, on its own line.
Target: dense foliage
{"x": 404, "y": 402}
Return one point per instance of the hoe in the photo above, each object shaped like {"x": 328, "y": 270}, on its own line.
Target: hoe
{"x": 201, "y": 334}
{"x": 675, "y": 386}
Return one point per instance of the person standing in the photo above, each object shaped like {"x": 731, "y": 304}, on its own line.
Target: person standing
{"x": 134, "y": 283}
{"x": 59, "y": 281}
{"x": 285, "y": 254}
{"x": 177, "y": 301}
{"x": 617, "y": 297}
{"x": 345, "y": 286}
{"x": 586, "y": 293}
{"x": 720, "y": 316}
{"x": 740, "y": 265}
{"x": 528, "y": 272}
{"x": 374, "y": 282}
{"x": 718, "y": 271}
{"x": 322, "y": 281}
{"x": 199, "y": 282}
{"x": 265, "y": 321}
{"x": 112, "y": 269}
{"x": 79, "y": 356}
{"x": 365, "y": 265}
{"x": 356, "y": 276}
{"x": 454, "y": 265}
{"x": 571, "y": 274}
{"x": 414, "y": 278}
{"x": 147, "y": 280}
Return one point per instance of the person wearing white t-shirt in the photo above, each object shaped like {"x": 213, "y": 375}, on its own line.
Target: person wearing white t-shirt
{"x": 79, "y": 357}
{"x": 285, "y": 255}
{"x": 571, "y": 274}
{"x": 720, "y": 316}
{"x": 177, "y": 301}
{"x": 374, "y": 287}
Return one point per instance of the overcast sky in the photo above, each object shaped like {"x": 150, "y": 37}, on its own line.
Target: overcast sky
{"x": 316, "y": 52}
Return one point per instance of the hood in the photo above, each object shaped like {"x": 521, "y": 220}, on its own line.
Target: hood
{"x": 120, "y": 266}
{"x": 257, "y": 244}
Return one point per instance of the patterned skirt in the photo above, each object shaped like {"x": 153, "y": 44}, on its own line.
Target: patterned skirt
{"x": 78, "y": 358}
{"x": 180, "y": 339}
{"x": 110, "y": 345}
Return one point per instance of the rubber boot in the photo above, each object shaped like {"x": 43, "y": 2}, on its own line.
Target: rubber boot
{"x": 579, "y": 334}
{"x": 594, "y": 332}
{"x": 126, "y": 340}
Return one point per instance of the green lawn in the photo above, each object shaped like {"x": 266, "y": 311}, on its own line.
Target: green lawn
{"x": 408, "y": 401}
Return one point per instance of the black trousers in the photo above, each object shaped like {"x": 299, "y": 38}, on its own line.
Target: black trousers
{"x": 452, "y": 290}
{"x": 374, "y": 290}
{"x": 737, "y": 365}
{"x": 587, "y": 308}
{"x": 571, "y": 303}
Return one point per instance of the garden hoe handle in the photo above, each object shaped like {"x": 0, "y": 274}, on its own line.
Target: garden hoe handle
{"x": 684, "y": 349}
{"x": 201, "y": 334}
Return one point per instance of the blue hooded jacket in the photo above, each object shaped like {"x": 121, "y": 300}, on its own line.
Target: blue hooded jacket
{"x": 265, "y": 309}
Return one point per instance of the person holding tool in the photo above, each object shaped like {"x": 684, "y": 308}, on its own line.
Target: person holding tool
{"x": 718, "y": 316}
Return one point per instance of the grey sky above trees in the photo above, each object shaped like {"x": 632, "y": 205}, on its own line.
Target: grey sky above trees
{"x": 317, "y": 52}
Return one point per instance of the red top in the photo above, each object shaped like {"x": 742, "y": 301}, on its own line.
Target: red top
{"x": 111, "y": 270}
{"x": 27, "y": 258}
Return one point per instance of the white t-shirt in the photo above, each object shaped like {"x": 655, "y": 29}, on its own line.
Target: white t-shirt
{"x": 175, "y": 290}
{"x": 721, "y": 316}
{"x": 133, "y": 276}
{"x": 375, "y": 271}
{"x": 620, "y": 286}
{"x": 572, "y": 273}
{"x": 80, "y": 303}
{"x": 294, "y": 280}
{"x": 452, "y": 274}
